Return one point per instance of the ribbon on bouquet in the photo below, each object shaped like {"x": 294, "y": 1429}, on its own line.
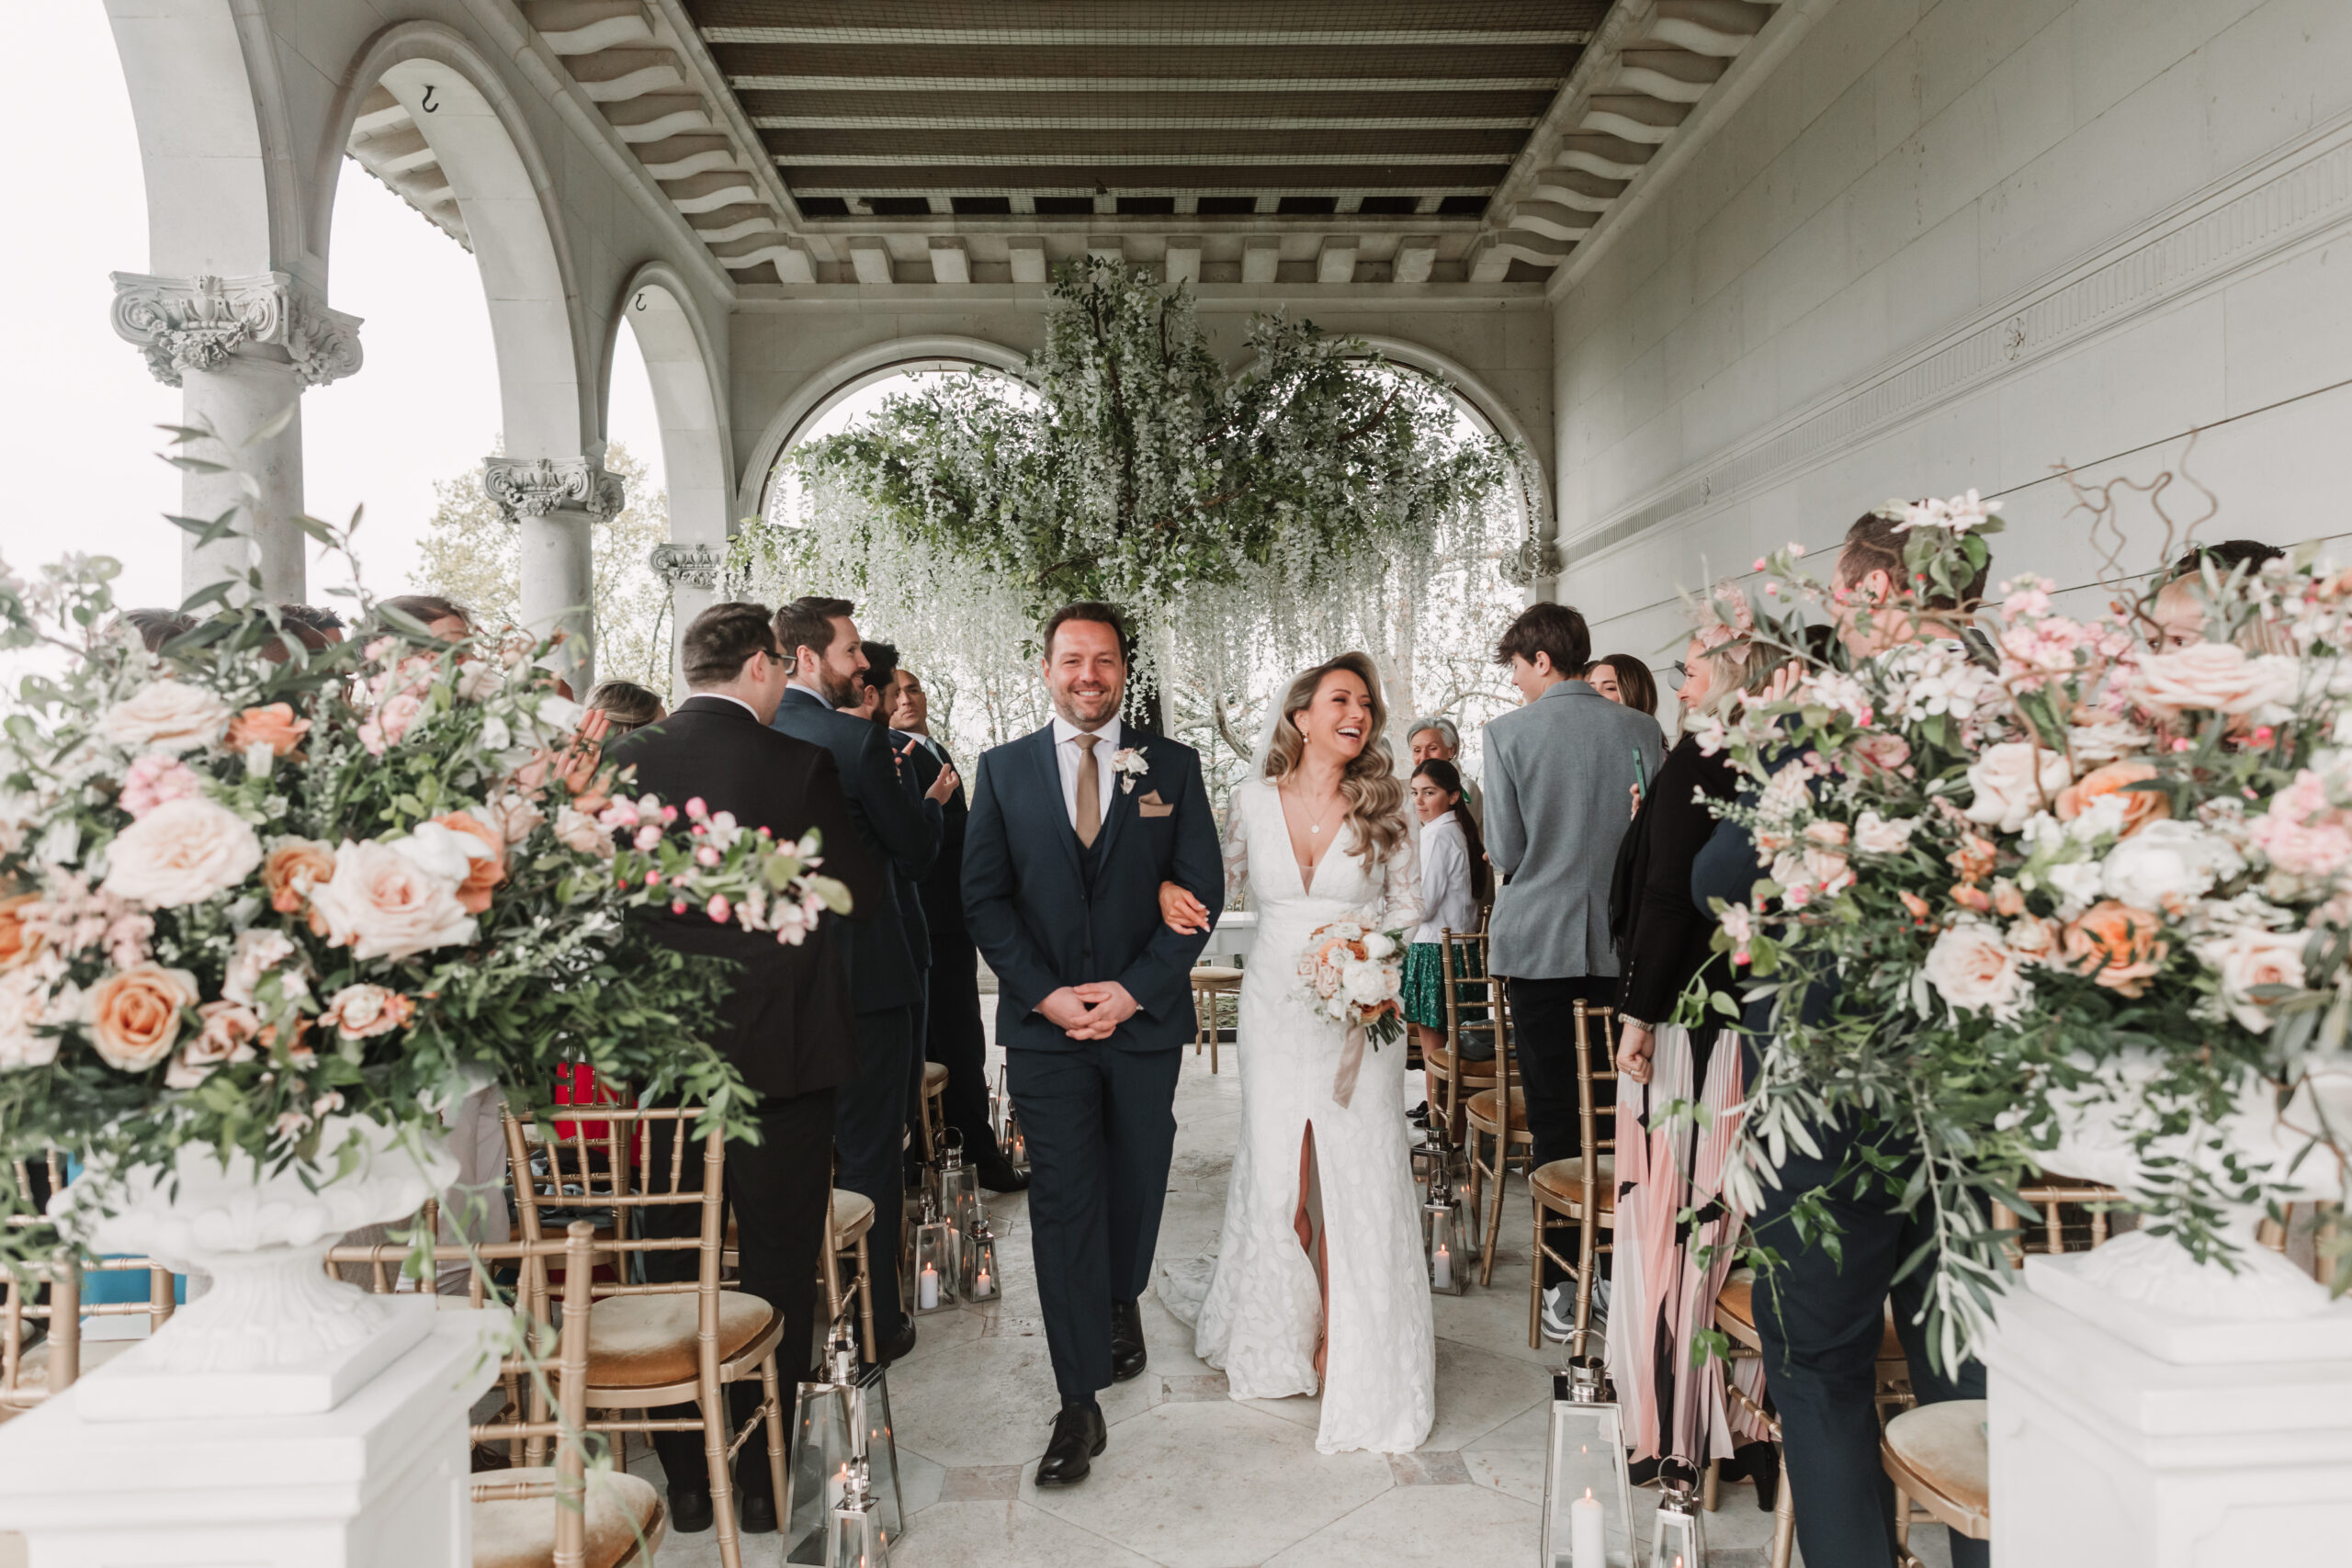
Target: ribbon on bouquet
{"x": 1343, "y": 1083}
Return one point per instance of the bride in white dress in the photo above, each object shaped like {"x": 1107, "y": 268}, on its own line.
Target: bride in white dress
{"x": 1319, "y": 1279}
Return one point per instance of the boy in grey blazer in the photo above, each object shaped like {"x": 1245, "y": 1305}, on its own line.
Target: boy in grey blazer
{"x": 1558, "y": 773}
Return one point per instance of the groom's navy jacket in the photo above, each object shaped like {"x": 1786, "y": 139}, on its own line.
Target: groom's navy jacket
{"x": 1046, "y": 913}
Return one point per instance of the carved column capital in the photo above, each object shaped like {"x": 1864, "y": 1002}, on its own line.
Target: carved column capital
{"x": 534, "y": 487}
{"x": 689, "y": 566}
{"x": 197, "y": 324}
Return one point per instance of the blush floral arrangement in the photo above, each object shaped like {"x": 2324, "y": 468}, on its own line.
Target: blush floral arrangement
{"x": 252, "y": 893}
{"x": 2031, "y": 885}
{"x": 1355, "y": 975}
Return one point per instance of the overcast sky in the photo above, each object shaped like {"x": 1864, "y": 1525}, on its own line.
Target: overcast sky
{"x": 77, "y": 405}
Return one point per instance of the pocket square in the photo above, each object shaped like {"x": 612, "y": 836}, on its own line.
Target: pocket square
{"x": 1151, "y": 805}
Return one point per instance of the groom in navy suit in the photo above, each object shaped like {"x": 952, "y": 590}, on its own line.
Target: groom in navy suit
{"x": 1073, "y": 829}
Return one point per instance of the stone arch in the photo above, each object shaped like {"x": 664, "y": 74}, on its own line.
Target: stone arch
{"x": 215, "y": 140}
{"x": 505, "y": 190}
{"x": 1489, "y": 408}
{"x": 689, "y": 398}
{"x": 849, "y": 374}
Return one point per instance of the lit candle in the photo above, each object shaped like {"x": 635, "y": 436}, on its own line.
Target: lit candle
{"x": 1442, "y": 1269}
{"x": 981, "y": 1284}
{"x": 1588, "y": 1545}
{"x": 927, "y": 1296}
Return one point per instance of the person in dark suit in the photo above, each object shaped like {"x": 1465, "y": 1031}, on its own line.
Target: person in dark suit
{"x": 1073, "y": 829}
{"x": 786, "y": 1023}
{"x": 900, "y": 833}
{"x": 954, "y": 1037}
{"x": 873, "y": 704}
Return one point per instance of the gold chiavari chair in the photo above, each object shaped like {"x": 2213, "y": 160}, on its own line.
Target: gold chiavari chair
{"x": 1496, "y": 1119}
{"x": 1211, "y": 984}
{"x": 44, "y": 1345}
{"x": 617, "y": 1522}
{"x": 657, "y": 1343}
{"x": 934, "y": 1107}
{"x": 1581, "y": 1192}
{"x": 848, "y": 1234}
{"x": 1936, "y": 1454}
{"x": 1447, "y": 1075}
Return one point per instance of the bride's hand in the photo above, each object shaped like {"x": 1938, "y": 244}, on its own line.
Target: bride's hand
{"x": 1185, "y": 914}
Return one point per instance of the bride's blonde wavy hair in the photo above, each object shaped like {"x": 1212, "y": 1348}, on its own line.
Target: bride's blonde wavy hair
{"x": 1375, "y": 796}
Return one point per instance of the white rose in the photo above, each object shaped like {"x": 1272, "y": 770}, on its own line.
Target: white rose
{"x": 258, "y": 952}
{"x": 23, "y": 1004}
{"x": 383, "y": 904}
{"x": 2077, "y": 882}
{"x": 1876, "y": 835}
{"x": 2014, "y": 780}
{"x": 1378, "y": 945}
{"x": 2251, "y": 957}
{"x": 442, "y": 851}
{"x": 1975, "y": 971}
{"x": 2105, "y": 741}
{"x": 169, "y": 715}
{"x": 183, "y": 851}
{"x": 1367, "y": 984}
{"x": 2218, "y": 677}
{"x": 2167, "y": 862}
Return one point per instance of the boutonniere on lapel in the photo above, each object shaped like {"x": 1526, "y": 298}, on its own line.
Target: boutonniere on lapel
{"x": 1129, "y": 764}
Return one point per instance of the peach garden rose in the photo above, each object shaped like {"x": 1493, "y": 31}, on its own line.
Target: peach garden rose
{"x": 134, "y": 1014}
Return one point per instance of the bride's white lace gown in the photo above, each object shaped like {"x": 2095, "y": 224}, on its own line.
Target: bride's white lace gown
{"x": 1263, "y": 1314}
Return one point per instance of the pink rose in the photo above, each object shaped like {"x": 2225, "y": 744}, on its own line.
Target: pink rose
{"x": 167, "y": 715}
{"x": 2302, "y": 833}
{"x": 390, "y": 723}
{"x": 134, "y": 1015}
{"x": 182, "y": 851}
{"x": 154, "y": 780}
{"x": 383, "y": 904}
{"x": 226, "y": 1035}
{"x": 360, "y": 1012}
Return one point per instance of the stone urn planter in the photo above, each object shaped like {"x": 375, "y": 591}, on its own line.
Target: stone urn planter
{"x": 274, "y": 1334}
{"x": 2146, "y": 1406}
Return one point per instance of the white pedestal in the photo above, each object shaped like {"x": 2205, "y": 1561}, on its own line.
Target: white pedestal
{"x": 379, "y": 1481}
{"x": 2102, "y": 1452}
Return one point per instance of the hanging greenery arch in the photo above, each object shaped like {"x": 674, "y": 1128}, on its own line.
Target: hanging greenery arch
{"x": 1237, "y": 515}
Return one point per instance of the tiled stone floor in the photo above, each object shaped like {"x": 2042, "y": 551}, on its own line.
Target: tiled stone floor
{"x": 1192, "y": 1479}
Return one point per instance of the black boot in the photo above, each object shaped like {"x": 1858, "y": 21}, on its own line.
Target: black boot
{"x": 690, "y": 1509}
{"x": 1079, "y": 1435}
{"x": 1128, "y": 1356}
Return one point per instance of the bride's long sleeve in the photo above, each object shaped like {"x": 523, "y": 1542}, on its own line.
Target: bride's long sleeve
{"x": 1401, "y": 907}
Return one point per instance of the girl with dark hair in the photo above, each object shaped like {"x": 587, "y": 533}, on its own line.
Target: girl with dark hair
{"x": 1625, "y": 681}
{"x": 1454, "y": 884}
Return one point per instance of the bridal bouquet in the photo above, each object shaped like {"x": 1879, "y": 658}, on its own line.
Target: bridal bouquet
{"x": 2038, "y": 866}
{"x": 244, "y": 887}
{"x": 1354, "y": 974}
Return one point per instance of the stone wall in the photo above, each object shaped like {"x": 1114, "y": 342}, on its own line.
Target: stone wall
{"x": 1953, "y": 244}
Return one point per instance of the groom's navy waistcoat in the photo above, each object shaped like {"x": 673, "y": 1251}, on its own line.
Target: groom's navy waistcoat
{"x": 1048, "y": 913}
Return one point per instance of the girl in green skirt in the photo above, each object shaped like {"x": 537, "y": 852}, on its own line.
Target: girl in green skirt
{"x": 1454, "y": 885}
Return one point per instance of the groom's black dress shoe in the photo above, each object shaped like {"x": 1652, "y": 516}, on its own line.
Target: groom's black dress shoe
{"x": 759, "y": 1513}
{"x": 1079, "y": 1435}
{"x": 998, "y": 1176}
{"x": 1128, "y": 1353}
{"x": 898, "y": 1346}
{"x": 690, "y": 1509}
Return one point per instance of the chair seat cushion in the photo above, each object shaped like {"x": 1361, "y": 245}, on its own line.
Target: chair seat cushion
{"x": 1207, "y": 974}
{"x": 649, "y": 1341}
{"x": 1473, "y": 1070}
{"x": 1483, "y": 1104}
{"x": 1562, "y": 1182}
{"x": 519, "y": 1532}
{"x": 852, "y": 1215}
{"x": 934, "y": 1078}
{"x": 1936, "y": 1452}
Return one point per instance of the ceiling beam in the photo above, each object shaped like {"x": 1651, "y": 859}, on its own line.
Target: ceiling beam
{"x": 1127, "y": 84}
{"x": 1088, "y": 158}
{"x": 1158, "y": 37}
{"x": 948, "y": 120}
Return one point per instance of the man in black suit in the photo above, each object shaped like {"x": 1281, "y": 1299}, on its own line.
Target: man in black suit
{"x": 786, "y": 1023}
{"x": 873, "y": 704}
{"x": 1073, "y": 829}
{"x": 954, "y": 1037}
{"x": 900, "y": 833}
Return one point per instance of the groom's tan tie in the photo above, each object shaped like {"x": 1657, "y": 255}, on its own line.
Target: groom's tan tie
{"x": 1090, "y": 790}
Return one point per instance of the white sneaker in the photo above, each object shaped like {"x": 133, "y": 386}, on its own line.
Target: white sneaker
{"x": 1559, "y": 1312}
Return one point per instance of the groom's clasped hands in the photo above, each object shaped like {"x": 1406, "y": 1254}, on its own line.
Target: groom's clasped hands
{"x": 1091, "y": 1011}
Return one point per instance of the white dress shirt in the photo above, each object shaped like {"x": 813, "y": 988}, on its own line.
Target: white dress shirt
{"x": 1065, "y": 756}
{"x": 1445, "y": 880}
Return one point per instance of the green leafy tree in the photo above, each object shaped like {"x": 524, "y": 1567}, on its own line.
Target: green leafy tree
{"x": 473, "y": 555}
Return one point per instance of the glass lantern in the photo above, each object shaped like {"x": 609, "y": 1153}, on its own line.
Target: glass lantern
{"x": 1443, "y": 1232}
{"x": 1013, "y": 1142}
{"x": 980, "y": 1281}
{"x": 1588, "y": 1494}
{"x": 853, "y": 1533}
{"x": 1682, "y": 1539}
{"x": 937, "y": 1261}
{"x": 844, "y": 1428}
{"x": 956, "y": 1187}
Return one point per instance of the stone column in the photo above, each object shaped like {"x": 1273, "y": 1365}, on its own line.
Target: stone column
{"x": 555, "y": 502}
{"x": 691, "y": 572}
{"x": 241, "y": 350}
